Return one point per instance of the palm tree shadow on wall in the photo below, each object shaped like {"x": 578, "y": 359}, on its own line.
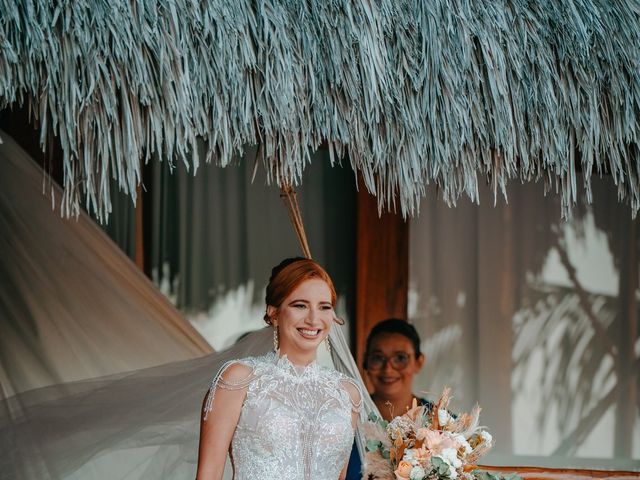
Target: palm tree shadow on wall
{"x": 585, "y": 340}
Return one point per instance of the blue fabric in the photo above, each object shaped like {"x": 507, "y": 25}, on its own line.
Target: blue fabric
{"x": 354, "y": 469}
{"x": 355, "y": 466}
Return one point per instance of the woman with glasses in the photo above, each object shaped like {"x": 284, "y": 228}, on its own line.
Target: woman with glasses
{"x": 392, "y": 357}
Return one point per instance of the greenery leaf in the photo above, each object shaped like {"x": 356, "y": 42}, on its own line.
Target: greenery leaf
{"x": 373, "y": 445}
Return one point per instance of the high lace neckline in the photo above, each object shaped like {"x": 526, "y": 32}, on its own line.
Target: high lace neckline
{"x": 283, "y": 363}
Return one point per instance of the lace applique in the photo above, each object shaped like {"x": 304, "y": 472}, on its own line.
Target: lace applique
{"x": 295, "y": 422}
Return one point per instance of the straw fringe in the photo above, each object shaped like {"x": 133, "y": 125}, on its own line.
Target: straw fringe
{"x": 450, "y": 92}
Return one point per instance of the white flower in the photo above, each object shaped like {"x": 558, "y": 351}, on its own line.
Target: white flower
{"x": 463, "y": 443}
{"x": 400, "y": 426}
{"x": 408, "y": 455}
{"x": 443, "y": 416}
{"x": 486, "y": 437}
{"x": 452, "y": 472}
{"x": 450, "y": 455}
{"x": 417, "y": 473}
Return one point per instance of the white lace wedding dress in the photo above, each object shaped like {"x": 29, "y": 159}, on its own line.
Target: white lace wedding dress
{"x": 295, "y": 421}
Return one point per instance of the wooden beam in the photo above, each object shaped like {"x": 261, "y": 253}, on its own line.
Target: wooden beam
{"x": 382, "y": 268}
{"x": 541, "y": 473}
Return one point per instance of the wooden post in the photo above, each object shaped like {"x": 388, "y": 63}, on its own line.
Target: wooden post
{"x": 139, "y": 240}
{"x": 382, "y": 268}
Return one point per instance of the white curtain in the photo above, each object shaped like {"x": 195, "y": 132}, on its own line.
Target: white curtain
{"x": 536, "y": 319}
{"x": 221, "y": 227}
{"x": 212, "y": 237}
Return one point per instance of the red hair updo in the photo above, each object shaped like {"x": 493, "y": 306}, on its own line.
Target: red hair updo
{"x": 288, "y": 274}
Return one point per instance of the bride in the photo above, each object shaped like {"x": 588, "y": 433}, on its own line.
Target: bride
{"x": 281, "y": 415}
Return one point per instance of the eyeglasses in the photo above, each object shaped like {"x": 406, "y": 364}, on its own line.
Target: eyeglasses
{"x": 398, "y": 361}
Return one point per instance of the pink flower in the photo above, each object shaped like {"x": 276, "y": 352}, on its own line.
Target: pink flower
{"x": 403, "y": 471}
{"x": 421, "y": 455}
{"x": 435, "y": 440}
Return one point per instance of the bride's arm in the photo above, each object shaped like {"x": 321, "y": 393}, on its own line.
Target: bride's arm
{"x": 217, "y": 426}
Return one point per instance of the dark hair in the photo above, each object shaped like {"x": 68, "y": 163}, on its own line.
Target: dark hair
{"x": 288, "y": 274}
{"x": 393, "y": 325}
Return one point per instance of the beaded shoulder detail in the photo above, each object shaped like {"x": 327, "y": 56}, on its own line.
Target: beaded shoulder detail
{"x": 227, "y": 384}
{"x": 274, "y": 364}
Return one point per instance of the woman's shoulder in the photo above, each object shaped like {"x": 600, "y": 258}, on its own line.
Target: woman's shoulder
{"x": 236, "y": 371}
{"x": 232, "y": 375}
{"x": 334, "y": 374}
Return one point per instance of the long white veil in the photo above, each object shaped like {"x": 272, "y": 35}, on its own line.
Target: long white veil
{"x": 143, "y": 424}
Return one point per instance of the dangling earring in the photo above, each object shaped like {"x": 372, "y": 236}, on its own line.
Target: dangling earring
{"x": 276, "y": 344}
{"x": 327, "y": 344}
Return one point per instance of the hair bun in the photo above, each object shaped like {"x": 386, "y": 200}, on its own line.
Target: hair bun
{"x": 282, "y": 265}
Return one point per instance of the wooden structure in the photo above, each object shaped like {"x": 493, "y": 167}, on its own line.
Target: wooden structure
{"x": 536, "y": 473}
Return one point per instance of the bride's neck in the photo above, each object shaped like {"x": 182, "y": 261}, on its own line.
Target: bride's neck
{"x": 299, "y": 359}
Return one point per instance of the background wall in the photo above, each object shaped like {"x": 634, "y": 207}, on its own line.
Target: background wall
{"x": 536, "y": 319}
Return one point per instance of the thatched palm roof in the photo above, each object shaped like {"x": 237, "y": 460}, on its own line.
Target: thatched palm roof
{"x": 414, "y": 92}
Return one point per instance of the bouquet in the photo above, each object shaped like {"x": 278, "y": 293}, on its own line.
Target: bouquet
{"x": 426, "y": 443}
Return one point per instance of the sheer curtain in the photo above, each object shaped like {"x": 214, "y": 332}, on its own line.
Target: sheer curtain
{"x": 536, "y": 319}
{"x": 214, "y": 236}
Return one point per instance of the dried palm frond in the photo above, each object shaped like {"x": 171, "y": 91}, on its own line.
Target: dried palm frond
{"x": 377, "y": 467}
{"x": 478, "y": 452}
{"x": 467, "y": 423}
{"x": 414, "y": 93}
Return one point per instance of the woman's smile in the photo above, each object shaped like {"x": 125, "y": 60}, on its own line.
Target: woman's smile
{"x": 388, "y": 380}
{"x": 309, "y": 333}
{"x": 304, "y": 319}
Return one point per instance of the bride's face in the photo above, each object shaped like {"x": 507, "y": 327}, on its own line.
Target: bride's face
{"x": 304, "y": 317}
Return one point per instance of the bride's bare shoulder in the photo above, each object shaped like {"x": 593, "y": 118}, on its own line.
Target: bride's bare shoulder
{"x": 237, "y": 371}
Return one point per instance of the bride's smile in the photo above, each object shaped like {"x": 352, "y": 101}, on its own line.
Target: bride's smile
{"x": 308, "y": 333}
{"x": 303, "y": 320}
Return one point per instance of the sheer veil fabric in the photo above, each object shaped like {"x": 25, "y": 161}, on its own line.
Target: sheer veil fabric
{"x": 138, "y": 425}
{"x": 79, "y": 417}
{"x": 72, "y": 305}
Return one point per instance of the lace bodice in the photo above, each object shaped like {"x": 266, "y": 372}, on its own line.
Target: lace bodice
{"x": 295, "y": 422}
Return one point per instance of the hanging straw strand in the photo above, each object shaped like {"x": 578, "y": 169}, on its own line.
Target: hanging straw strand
{"x": 288, "y": 195}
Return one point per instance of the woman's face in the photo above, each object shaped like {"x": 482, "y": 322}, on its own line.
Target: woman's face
{"x": 391, "y": 365}
{"x": 304, "y": 317}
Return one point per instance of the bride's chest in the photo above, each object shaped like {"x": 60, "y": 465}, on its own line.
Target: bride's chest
{"x": 284, "y": 409}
